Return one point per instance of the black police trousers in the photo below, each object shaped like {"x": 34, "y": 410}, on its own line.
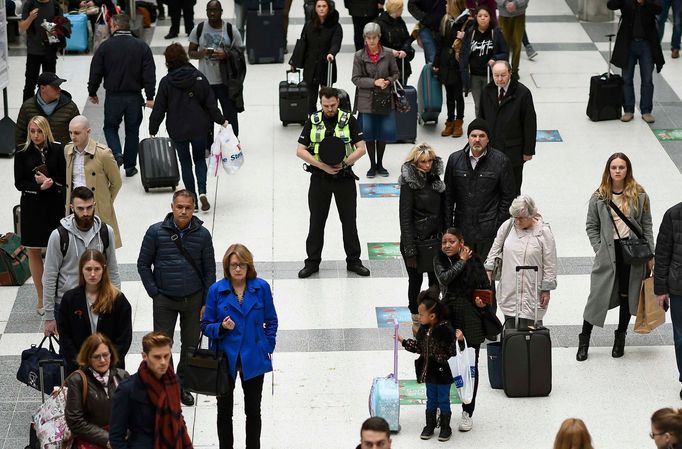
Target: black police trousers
{"x": 319, "y": 199}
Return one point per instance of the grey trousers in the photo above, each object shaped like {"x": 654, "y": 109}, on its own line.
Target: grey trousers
{"x": 477, "y": 84}
{"x": 166, "y": 311}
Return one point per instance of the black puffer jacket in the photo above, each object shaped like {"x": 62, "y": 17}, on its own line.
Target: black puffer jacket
{"x": 479, "y": 199}
{"x": 428, "y": 12}
{"x": 173, "y": 275}
{"x": 185, "y": 95}
{"x": 435, "y": 348}
{"x": 668, "y": 267}
{"x": 394, "y": 34}
{"x": 319, "y": 43}
{"x": 513, "y": 124}
{"x": 421, "y": 204}
{"x": 458, "y": 280}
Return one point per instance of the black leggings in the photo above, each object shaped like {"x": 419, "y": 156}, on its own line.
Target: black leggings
{"x": 623, "y": 281}
{"x": 455, "y": 101}
{"x": 375, "y": 149}
{"x": 414, "y": 286}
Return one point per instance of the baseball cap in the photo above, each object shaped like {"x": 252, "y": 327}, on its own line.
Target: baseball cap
{"x": 49, "y": 79}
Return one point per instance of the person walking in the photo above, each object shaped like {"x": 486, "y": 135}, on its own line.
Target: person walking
{"x": 662, "y": 18}
{"x": 613, "y": 282}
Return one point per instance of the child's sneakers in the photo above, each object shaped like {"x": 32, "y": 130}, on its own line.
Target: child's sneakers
{"x": 430, "y": 426}
{"x": 445, "y": 430}
{"x": 466, "y": 423}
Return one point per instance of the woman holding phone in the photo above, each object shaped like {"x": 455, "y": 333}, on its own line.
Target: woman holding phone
{"x": 40, "y": 176}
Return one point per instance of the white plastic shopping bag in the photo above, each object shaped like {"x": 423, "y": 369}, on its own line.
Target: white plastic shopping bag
{"x": 214, "y": 159}
{"x": 463, "y": 367}
{"x": 231, "y": 149}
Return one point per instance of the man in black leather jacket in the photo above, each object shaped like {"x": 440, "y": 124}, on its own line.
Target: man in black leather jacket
{"x": 479, "y": 188}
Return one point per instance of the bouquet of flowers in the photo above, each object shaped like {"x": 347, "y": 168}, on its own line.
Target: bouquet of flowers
{"x": 57, "y": 30}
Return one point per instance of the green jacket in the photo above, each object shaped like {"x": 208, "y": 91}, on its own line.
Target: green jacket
{"x": 59, "y": 120}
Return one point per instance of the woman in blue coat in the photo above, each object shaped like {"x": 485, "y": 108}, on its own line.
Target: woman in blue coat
{"x": 240, "y": 318}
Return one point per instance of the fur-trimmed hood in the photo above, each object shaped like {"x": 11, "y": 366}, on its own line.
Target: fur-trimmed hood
{"x": 411, "y": 176}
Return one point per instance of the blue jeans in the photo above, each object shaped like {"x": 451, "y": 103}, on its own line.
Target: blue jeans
{"x": 676, "y": 318}
{"x": 438, "y": 397}
{"x": 199, "y": 156}
{"x": 129, "y": 109}
{"x": 640, "y": 52}
{"x": 663, "y": 17}
{"x": 429, "y": 44}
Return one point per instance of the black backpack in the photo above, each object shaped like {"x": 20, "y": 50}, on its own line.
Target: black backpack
{"x": 64, "y": 238}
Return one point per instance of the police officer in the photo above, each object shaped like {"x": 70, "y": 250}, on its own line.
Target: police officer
{"x": 331, "y": 142}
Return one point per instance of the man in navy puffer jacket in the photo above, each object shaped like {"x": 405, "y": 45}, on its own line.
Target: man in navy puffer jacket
{"x": 176, "y": 285}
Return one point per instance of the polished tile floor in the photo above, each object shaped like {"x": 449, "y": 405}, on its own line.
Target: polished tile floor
{"x": 329, "y": 346}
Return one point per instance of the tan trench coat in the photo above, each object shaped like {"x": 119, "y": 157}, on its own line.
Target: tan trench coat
{"x": 603, "y": 283}
{"x": 102, "y": 176}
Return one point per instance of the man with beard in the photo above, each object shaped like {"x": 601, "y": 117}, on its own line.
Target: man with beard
{"x": 76, "y": 232}
{"x": 479, "y": 188}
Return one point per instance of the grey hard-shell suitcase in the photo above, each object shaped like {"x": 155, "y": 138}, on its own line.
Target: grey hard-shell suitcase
{"x": 526, "y": 353}
{"x": 158, "y": 163}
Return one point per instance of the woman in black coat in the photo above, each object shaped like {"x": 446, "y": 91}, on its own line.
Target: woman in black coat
{"x": 460, "y": 272}
{"x": 40, "y": 176}
{"x": 394, "y": 34}
{"x": 321, "y": 39}
{"x": 94, "y": 306}
{"x": 421, "y": 218}
{"x": 187, "y": 100}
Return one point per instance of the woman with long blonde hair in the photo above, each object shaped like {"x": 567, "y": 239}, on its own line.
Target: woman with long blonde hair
{"x": 614, "y": 282}
{"x": 96, "y": 305}
{"x": 40, "y": 176}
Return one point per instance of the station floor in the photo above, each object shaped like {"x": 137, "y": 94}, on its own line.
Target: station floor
{"x": 329, "y": 344}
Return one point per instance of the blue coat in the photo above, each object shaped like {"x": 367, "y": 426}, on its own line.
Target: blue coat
{"x": 253, "y": 338}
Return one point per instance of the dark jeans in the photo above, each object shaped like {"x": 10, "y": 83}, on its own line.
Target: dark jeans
{"x": 455, "y": 101}
{"x": 253, "y": 392}
{"x": 33, "y": 65}
{"x": 414, "y": 285}
{"x": 199, "y": 156}
{"x": 319, "y": 199}
{"x": 640, "y": 52}
{"x": 227, "y": 105}
{"x": 469, "y": 408}
{"x": 129, "y": 109}
{"x": 663, "y": 17}
{"x": 166, "y": 311}
{"x": 358, "y": 26}
{"x": 438, "y": 397}
{"x": 181, "y": 8}
{"x": 676, "y": 318}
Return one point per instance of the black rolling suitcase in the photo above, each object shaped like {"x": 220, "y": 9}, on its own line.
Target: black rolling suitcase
{"x": 293, "y": 100}
{"x": 406, "y": 122}
{"x": 265, "y": 35}
{"x": 33, "y": 441}
{"x": 158, "y": 163}
{"x": 526, "y": 353}
{"x": 344, "y": 99}
{"x": 606, "y": 94}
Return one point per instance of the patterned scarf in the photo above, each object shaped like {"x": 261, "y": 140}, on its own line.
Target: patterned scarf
{"x": 170, "y": 431}
{"x": 103, "y": 379}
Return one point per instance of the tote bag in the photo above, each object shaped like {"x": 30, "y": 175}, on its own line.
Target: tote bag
{"x": 649, "y": 314}
{"x": 463, "y": 367}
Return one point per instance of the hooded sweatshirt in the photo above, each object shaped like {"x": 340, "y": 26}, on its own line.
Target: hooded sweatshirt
{"x": 187, "y": 99}
{"x": 61, "y": 273}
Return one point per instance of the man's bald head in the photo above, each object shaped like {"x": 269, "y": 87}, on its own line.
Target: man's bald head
{"x": 80, "y": 121}
{"x": 79, "y": 130}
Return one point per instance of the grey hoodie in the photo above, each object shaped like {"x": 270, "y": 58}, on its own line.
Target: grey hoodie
{"x": 61, "y": 273}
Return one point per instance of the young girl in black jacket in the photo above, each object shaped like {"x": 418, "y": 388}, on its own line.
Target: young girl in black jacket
{"x": 434, "y": 343}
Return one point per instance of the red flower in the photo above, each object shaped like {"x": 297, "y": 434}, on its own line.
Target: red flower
{"x": 78, "y": 312}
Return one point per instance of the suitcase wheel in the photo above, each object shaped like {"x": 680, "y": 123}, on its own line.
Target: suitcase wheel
{"x": 420, "y": 121}
{"x": 146, "y": 189}
{"x": 285, "y": 124}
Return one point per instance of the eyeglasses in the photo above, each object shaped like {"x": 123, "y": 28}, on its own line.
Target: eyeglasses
{"x": 104, "y": 356}
{"x": 654, "y": 435}
{"x": 241, "y": 266}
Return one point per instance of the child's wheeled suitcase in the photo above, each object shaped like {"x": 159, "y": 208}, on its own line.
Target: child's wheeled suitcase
{"x": 78, "y": 42}
{"x": 384, "y": 397}
{"x": 526, "y": 353}
{"x": 158, "y": 163}
{"x": 429, "y": 96}
{"x": 293, "y": 100}
{"x": 606, "y": 94}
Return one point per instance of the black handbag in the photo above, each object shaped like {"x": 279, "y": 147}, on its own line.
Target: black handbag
{"x": 29, "y": 369}
{"x": 298, "y": 55}
{"x": 492, "y": 326}
{"x": 381, "y": 101}
{"x": 427, "y": 250}
{"x": 635, "y": 251}
{"x": 207, "y": 371}
{"x": 402, "y": 104}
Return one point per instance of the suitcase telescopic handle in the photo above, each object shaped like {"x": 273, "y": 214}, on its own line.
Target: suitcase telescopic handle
{"x": 396, "y": 326}
{"x": 519, "y": 269}
{"x": 526, "y": 267}
{"x": 329, "y": 74}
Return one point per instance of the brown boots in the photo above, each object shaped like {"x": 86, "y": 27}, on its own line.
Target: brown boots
{"x": 453, "y": 128}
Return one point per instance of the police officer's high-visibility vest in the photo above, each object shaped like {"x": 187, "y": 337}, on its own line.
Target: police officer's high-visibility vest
{"x": 318, "y": 131}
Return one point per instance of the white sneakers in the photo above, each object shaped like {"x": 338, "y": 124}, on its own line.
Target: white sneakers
{"x": 466, "y": 423}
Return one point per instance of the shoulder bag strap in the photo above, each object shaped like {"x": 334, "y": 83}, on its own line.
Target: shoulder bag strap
{"x": 625, "y": 220}
{"x": 178, "y": 242}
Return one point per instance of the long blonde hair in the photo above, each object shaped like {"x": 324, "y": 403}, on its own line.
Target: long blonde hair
{"x": 631, "y": 189}
{"x": 42, "y": 123}
{"x": 107, "y": 293}
{"x": 454, "y": 9}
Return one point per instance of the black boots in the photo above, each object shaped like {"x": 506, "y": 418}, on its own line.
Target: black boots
{"x": 583, "y": 347}
{"x": 430, "y": 426}
{"x": 619, "y": 344}
{"x": 445, "y": 430}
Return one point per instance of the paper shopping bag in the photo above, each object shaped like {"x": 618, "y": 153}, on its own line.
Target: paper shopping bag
{"x": 649, "y": 314}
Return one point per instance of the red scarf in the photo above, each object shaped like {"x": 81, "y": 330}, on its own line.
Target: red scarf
{"x": 170, "y": 431}
{"x": 373, "y": 57}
